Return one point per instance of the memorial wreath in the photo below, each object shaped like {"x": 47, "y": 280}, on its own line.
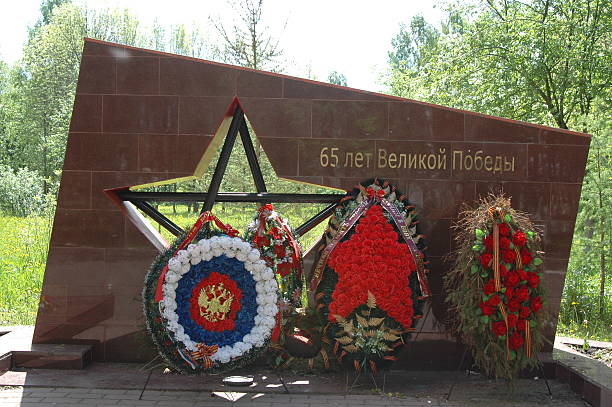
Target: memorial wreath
{"x": 370, "y": 276}
{"x": 210, "y": 300}
{"x": 495, "y": 288}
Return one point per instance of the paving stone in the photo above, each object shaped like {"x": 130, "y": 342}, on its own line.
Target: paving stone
{"x": 61, "y": 400}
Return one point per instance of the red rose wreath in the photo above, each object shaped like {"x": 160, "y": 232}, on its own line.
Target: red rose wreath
{"x": 495, "y": 288}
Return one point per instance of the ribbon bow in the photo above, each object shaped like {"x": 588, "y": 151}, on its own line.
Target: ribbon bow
{"x": 204, "y": 352}
{"x": 378, "y": 195}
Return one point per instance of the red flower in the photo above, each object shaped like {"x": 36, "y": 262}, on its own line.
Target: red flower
{"x": 494, "y": 300}
{"x": 526, "y": 259}
{"x": 536, "y": 304}
{"x": 509, "y": 292}
{"x": 373, "y": 259}
{"x": 516, "y": 341}
{"x": 503, "y": 271}
{"x": 504, "y": 229}
{"x": 512, "y": 280}
{"x": 512, "y": 319}
{"x": 488, "y": 242}
{"x": 519, "y": 239}
{"x": 524, "y": 313}
{"x": 486, "y": 309}
{"x": 526, "y": 256}
{"x": 504, "y": 243}
{"x": 522, "y": 294}
{"x": 489, "y": 287}
{"x": 533, "y": 279}
{"x": 508, "y": 256}
{"x": 513, "y": 305}
{"x": 261, "y": 241}
{"x": 485, "y": 260}
{"x": 521, "y": 324}
{"x": 499, "y": 328}
{"x": 522, "y": 274}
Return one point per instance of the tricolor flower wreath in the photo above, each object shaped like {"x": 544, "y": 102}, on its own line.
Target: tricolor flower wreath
{"x": 495, "y": 288}
{"x": 210, "y": 300}
{"x": 370, "y": 278}
{"x": 274, "y": 238}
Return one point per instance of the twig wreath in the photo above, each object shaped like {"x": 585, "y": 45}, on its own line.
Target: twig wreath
{"x": 495, "y": 287}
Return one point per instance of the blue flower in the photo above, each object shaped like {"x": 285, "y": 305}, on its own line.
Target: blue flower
{"x": 245, "y": 318}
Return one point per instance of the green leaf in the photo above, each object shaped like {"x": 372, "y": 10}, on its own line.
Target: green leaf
{"x": 474, "y": 268}
{"x": 480, "y": 234}
{"x": 537, "y": 261}
{"x": 529, "y": 234}
{"x": 485, "y": 319}
{"x": 512, "y": 355}
{"x": 507, "y": 218}
{"x": 503, "y": 290}
{"x": 484, "y": 274}
{"x": 532, "y": 323}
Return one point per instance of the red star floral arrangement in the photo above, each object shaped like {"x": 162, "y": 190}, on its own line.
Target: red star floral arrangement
{"x": 370, "y": 277}
{"x": 495, "y": 288}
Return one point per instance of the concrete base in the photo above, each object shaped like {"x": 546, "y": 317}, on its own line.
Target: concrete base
{"x": 17, "y": 351}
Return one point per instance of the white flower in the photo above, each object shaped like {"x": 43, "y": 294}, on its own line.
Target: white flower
{"x": 174, "y": 264}
{"x": 183, "y": 256}
{"x": 267, "y": 274}
{"x": 193, "y": 250}
{"x": 254, "y": 255}
{"x": 226, "y": 243}
{"x": 266, "y": 292}
{"x": 184, "y": 268}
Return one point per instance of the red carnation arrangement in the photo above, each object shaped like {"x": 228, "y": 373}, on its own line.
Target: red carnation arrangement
{"x": 373, "y": 260}
{"x": 497, "y": 282}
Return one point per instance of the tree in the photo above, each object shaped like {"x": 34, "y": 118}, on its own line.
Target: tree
{"x": 337, "y": 78}
{"x": 541, "y": 61}
{"x": 248, "y": 43}
{"x": 42, "y": 85}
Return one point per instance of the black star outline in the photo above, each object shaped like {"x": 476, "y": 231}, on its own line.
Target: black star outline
{"x": 129, "y": 198}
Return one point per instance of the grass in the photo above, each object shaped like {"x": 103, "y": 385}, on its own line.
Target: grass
{"x": 240, "y": 215}
{"x": 24, "y": 247}
{"x": 23, "y": 254}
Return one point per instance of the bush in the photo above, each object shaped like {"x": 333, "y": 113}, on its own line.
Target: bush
{"x": 21, "y": 192}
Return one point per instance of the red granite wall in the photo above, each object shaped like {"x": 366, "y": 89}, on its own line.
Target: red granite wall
{"x": 142, "y": 116}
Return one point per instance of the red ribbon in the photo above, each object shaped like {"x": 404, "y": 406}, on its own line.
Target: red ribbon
{"x": 204, "y": 218}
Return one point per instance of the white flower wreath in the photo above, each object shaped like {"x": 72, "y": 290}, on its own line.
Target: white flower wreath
{"x": 266, "y": 287}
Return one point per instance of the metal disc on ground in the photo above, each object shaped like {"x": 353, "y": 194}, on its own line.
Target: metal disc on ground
{"x": 238, "y": 381}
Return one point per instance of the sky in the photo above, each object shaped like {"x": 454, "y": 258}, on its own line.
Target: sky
{"x": 317, "y": 36}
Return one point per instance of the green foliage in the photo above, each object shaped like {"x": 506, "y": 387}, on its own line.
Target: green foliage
{"x": 21, "y": 192}
{"x": 337, "y": 78}
{"x": 23, "y": 254}
{"x": 588, "y": 285}
{"x": 545, "y": 61}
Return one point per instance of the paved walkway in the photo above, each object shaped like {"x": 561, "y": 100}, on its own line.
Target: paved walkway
{"x": 121, "y": 385}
